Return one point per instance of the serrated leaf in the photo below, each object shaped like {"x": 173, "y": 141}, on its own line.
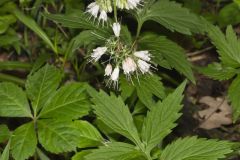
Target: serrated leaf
{"x": 29, "y": 22}
{"x": 13, "y": 102}
{"x": 192, "y": 148}
{"x": 5, "y": 154}
{"x": 42, "y": 85}
{"x": 69, "y": 102}
{"x": 114, "y": 113}
{"x": 89, "y": 135}
{"x": 115, "y": 151}
{"x": 161, "y": 118}
{"x": 234, "y": 94}
{"x": 24, "y": 142}
{"x": 172, "y": 52}
{"x": 4, "y": 133}
{"x": 171, "y": 15}
{"x": 58, "y": 136}
{"x": 218, "y": 72}
{"x": 148, "y": 87}
{"x": 78, "y": 20}
{"x": 227, "y": 46}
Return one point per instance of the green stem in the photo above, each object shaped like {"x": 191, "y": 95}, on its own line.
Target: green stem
{"x": 139, "y": 29}
{"x": 15, "y": 65}
{"x": 9, "y": 78}
{"x": 115, "y": 10}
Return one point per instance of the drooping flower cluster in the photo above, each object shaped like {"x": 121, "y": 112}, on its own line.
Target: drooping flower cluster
{"x": 100, "y": 8}
{"x": 122, "y": 57}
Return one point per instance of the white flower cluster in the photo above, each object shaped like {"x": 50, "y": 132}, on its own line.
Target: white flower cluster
{"x": 131, "y": 62}
{"x": 100, "y": 8}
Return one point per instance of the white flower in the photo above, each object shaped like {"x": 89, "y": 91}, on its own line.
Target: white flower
{"x": 98, "y": 52}
{"x": 108, "y": 70}
{"x": 144, "y": 55}
{"x": 103, "y": 15}
{"x": 133, "y": 3}
{"x": 93, "y": 9}
{"x": 129, "y": 65}
{"x": 116, "y": 29}
{"x": 143, "y": 66}
{"x": 115, "y": 74}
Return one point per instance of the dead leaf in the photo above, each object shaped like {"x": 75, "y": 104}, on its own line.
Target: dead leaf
{"x": 218, "y": 114}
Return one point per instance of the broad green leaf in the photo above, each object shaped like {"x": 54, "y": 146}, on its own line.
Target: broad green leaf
{"x": 89, "y": 135}
{"x": 126, "y": 87}
{"x": 227, "y": 46}
{"x": 13, "y": 102}
{"x": 172, "y": 52}
{"x": 58, "y": 136}
{"x": 114, "y": 113}
{"x": 161, "y": 118}
{"x": 234, "y": 94}
{"x": 218, "y": 72}
{"x": 115, "y": 151}
{"x": 192, "y": 148}
{"x": 69, "y": 102}
{"x": 42, "y": 85}
{"x": 29, "y": 22}
{"x": 148, "y": 87}
{"x": 5, "y": 154}
{"x": 5, "y": 21}
{"x": 171, "y": 15}
{"x": 78, "y": 20}
{"x": 4, "y": 133}
{"x": 24, "y": 142}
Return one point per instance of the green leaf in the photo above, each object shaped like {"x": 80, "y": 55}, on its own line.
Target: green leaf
{"x": 42, "y": 85}
{"x": 58, "y": 136}
{"x": 218, "y": 72}
{"x": 114, "y": 113}
{"x": 234, "y": 94}
{"x": 24, "y": 142}
{"x": 148, "y": 87}
{"x": 192, "y": 148}
{"x": 81, "y": 155}
{"x": 84, "y": 39}
{"x": 229, "y": 15}
{"x": 172, "y": 52}
{"x": 227, "y": 46}
{"x": 77, "y": 20}
{"x": 13, "y": 102}
{"x": 161, "y": 118}
{"x": 29, "y": 22}
{"x": 5, "y": 154}
{"x": 69, "y": 102}
{"x": 115, "y": 151}
{"x": 4, "y": 133}
{"x": 89, "y": 135}
{"x": 171, "y": 15}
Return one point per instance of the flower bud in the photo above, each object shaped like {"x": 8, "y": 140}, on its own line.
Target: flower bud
{"x": 98, "y": 52}
{"x": 143, "y": 66}
{"x": 116, "y": 29}
{"x": 144, "y": 55}
{"x": 108, "y": 70}
{"x": 129, "y": 65}
{"x": 115, "y": 74}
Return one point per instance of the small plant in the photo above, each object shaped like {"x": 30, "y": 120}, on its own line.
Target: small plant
{"x": 228, "y": 48}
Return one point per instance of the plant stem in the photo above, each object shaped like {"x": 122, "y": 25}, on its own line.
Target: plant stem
{"x": 115, "y": 10}
{"x": 13, "y": 65}
{"x": 139, "y": 29}
{"x": 9, "y": 78}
